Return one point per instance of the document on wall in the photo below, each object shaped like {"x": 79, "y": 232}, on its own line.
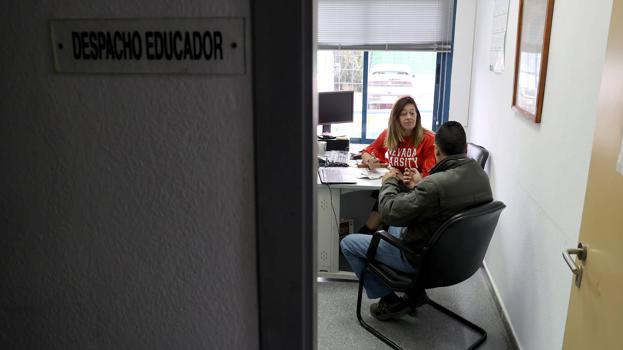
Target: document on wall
{"x": 498, "y": 36}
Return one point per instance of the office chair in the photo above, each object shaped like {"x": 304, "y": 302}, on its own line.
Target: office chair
{"x": 477, "y": 153}
{"x": 454, "y": 253}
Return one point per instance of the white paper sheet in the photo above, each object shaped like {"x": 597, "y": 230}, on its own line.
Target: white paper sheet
{"x": 498, "y": 36}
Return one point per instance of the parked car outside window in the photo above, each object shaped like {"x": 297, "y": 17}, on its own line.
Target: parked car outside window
{"x": 388, "y": 82}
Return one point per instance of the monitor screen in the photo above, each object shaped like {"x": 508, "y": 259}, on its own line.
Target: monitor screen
{"x": 335, "y": 107}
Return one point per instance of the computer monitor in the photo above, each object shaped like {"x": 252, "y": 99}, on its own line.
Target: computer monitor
{"x": 335, "y": 107}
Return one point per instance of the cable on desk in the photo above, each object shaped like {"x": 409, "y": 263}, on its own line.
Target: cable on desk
{"x": 337, "y": 224}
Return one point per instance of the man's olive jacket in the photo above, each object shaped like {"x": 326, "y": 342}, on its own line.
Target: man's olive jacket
{"x": 454, "y": 184}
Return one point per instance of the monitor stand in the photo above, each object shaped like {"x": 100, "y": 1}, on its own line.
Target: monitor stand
{"x": 326, "y": 133}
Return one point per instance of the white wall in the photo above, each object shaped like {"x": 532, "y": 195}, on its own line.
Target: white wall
{"x": 460, "y": 85}
{"x": 126, "y": 205}
{"x": 539, "y": 170}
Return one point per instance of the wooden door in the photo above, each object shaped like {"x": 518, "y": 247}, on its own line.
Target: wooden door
{"x": 595, "y": 317}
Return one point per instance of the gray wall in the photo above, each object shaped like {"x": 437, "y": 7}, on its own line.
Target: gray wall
{"x": 126, "y": 201}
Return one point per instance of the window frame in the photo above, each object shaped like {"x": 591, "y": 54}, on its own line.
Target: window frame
{"x": 443, "y": 72}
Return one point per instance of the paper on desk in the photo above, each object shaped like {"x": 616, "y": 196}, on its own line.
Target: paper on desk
{"x": 373, "y": 174}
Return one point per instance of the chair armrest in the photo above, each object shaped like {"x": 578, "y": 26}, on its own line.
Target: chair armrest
{"x": 383, "y": 235}
{"x": 374, "y": 244}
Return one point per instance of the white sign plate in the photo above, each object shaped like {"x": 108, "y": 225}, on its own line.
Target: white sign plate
{"x": 180, "y": 45}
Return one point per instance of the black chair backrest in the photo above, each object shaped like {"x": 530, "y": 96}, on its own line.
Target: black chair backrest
{"x": 459, "y": 246}
{"x": 477, "y": 153}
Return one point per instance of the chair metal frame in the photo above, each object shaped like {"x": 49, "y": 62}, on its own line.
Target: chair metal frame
{"x": 413, "y": 282}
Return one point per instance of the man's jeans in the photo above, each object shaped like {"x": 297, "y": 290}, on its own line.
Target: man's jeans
{"x": 355, "y": 246}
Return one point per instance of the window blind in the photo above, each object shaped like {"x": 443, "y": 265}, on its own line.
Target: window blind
{"x": 385, "y": 24}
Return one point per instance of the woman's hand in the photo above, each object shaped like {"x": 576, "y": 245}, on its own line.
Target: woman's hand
{"x": 370, "y": 160}
{"x": 411, "y": 177}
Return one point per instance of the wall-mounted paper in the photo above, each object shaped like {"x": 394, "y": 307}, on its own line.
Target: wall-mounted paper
{"x": 498, "y": 36}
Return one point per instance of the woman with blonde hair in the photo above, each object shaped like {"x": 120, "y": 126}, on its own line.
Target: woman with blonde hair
{"x": 405, "y": 146}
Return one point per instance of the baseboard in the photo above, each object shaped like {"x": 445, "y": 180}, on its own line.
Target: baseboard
{"x": 501, "y": 309}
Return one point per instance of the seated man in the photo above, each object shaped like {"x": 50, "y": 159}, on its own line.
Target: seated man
{"x": 415, "y": 208}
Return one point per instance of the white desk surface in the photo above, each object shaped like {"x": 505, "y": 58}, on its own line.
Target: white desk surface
{"x": 362, "y": 182}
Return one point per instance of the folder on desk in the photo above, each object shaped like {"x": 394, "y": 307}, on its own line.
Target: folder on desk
{"x": 335, "y": 176}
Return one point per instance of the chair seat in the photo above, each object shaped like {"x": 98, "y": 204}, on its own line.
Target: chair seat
{"x": 455, "y": 251}
{"x": 396, "y": 280}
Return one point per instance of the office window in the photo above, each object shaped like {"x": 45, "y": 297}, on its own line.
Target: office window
{"x": 342, "y": 71}
{"x": 383, "y": 49}
{"x": 389, "y": 75}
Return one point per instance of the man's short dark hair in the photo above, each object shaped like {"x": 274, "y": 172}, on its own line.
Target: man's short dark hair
{"x": 450, "y": 138}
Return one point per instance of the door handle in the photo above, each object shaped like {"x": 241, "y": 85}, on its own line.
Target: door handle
{"x": 581, "y": 252}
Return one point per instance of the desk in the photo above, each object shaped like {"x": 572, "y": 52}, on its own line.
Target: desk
{"x": 328, "y": 207}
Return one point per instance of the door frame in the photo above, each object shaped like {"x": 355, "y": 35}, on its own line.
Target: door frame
{"x": 282, "y": 34}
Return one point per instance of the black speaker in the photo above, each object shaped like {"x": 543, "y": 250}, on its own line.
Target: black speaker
{"x": 337, "y": 145}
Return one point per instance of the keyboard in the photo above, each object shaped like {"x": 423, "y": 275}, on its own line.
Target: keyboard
{"x": 333, "y": 164}
{"x": 337, "y": 157}
{"x": 335, "y": 176}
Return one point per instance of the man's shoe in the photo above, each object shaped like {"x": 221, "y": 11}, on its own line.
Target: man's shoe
{"x": 384, "y": 311}
{"x": 416, "y": 299}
